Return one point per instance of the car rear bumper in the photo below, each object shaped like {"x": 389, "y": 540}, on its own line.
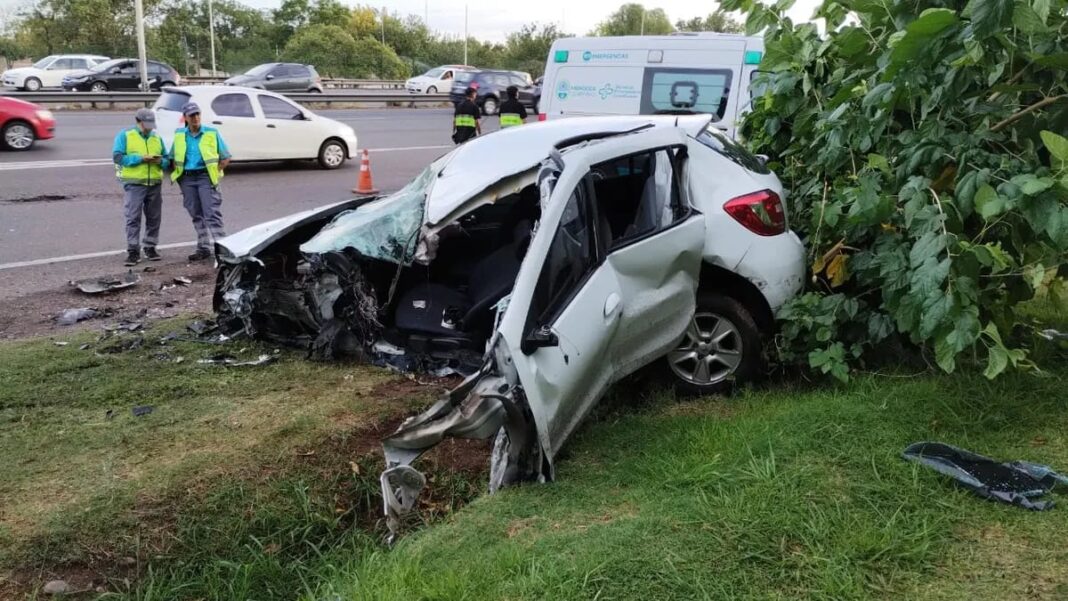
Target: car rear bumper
{"x": 776, "y": 266}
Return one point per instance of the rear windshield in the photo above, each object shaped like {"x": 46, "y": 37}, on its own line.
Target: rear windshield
{"x": 667, "y": 90}
{"x": 464, "y": 77}
{"x": 171, "y": 100}
{"x": 730, "y": 149}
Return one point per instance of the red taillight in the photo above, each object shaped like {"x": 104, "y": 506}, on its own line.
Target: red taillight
{"x": 760, "y": 212}
{"x": 542, "y": 116}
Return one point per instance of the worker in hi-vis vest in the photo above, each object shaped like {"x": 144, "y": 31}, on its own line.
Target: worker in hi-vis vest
{"x": 140, "y": 158}
{"x": 465, "y": 119}
{"x": 512, "y": 111}
{"x": 200, "y": 157}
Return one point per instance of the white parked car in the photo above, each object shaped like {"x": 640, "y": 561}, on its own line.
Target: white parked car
{"x": 49, "y": 71}
{"x": 258, "y": 125}
{"x": 562, "y": 256}
{"x": 435, "y": 81}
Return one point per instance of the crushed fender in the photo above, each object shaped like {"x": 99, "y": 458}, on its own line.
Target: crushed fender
{"x": 100, "y": 285}
{"x": 1017, "y": 483}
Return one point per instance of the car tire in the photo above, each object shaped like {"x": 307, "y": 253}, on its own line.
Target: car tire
{"x": 722, "y": 348}
{"x": 489, "y": 106}
{"x": 431, "y": 90}
{"x": 98, "y": 86}
{"x": 32, "y": 84}
{"x": 18, "y": 136}
{"x": 332, "y": 154}
{"x": 537, "y": 102}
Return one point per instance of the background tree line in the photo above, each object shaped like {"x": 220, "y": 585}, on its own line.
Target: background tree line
{"x": 362, "y": 42}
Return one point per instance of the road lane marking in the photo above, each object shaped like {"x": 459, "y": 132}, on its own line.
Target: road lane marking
{"x": 96, "y": 255}
{"x": 68, "y": 163}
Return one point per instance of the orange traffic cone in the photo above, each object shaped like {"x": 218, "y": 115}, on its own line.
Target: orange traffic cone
{"x": 364, "y": 186}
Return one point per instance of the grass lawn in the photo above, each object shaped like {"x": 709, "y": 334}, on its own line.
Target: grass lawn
{"x": 262, "y": 483}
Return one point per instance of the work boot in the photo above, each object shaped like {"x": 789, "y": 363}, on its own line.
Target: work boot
{"x": 133, "y": 257}
{"x": 151, "y": 254}
{"x": 200, "y": 255}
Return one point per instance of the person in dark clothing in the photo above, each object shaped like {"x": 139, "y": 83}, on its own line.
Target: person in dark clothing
{"x": 465, "y": 122}
{"x": 512, "y": 112}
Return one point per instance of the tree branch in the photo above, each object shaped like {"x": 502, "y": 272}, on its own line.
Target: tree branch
{"x": 1020, "y": 114}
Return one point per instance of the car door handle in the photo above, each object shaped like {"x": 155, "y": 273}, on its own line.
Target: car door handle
{"x": 271, "y": 125}
{"x": 611, "y": 304}
{"x": 216, "y": 122}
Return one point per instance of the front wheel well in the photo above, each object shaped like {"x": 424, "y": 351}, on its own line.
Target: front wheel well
{"x": 717, "y": 279}
{"x": 339, "y": 141}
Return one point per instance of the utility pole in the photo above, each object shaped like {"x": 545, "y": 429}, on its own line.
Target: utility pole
{"x": 643, "y": 20}
{"x": 142, "y": 59}
{"x": 465, "y": 34}
{"x": 211, "y": 32}
{"x": 383, "y": 25}
{"x": 426, "y": 13}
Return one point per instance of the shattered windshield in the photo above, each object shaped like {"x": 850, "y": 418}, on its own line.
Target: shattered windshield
{"x": 386, "y": 229}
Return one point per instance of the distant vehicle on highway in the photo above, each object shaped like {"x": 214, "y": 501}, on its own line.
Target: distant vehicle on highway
{"x": 23, "y": 123}
{"x": 49, "y": 71}
{"x": 258, "y": 125}
{"x": 436, "y": 80}
{"x": 679, "y": 74}
{"x": 532, "y": 96}
{"x": 119, "y": 75}
{"x": 280, "y": 77}
{"x": 491, "y": 86}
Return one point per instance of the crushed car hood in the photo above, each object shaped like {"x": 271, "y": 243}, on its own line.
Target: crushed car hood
{"x": 251, "y": 240}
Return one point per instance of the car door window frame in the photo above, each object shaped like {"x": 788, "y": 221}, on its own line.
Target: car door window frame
{"x": 298, "y": 116}
{"x": 218, "y": 113}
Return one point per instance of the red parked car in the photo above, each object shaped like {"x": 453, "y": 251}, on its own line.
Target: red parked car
{"x": 23, "y": 123}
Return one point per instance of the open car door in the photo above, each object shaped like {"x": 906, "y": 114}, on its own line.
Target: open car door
{"x": 607, "y": 285}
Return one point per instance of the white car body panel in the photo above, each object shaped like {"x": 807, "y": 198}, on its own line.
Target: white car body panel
{"x": 50, "y": 76}
{"x": 251, "y": 138}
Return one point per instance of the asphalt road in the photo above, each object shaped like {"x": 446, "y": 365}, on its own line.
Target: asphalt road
{"x": 60, "y": 200}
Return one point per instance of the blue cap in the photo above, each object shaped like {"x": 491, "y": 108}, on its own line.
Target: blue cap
{"x": 190, "y": 108}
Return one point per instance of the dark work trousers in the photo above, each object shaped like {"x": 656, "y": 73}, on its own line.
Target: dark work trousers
{"x": 138, "y": 200}
{"x": 203, "y": 201}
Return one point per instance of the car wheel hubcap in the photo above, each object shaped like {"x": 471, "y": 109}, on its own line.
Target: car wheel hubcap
{"x": 710, "y": 352}
{"x": 32, "y": 85}
{"x": 98, "y": 87}
{"x": 19, "y": 137}
{"x": 333, "y": 155}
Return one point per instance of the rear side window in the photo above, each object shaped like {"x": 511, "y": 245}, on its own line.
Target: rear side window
{"x": 694, "y": 90}
{"x": 232, "y": 105}
{"x": 731, "y": 150}
{"x": 171, "y": 101}
{"x": 638, "y": 195}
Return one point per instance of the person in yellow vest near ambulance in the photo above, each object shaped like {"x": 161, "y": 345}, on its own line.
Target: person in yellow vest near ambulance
{"x": 465, "y": 119}
{"x": 140, "y": 158}
{"x": 512, "y": 111}
{"x": 200, "y": 158}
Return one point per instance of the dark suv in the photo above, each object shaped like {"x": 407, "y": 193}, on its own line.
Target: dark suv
{"x": 491, "y": 86}
{"x": 121, "y": 74}
{"x": 280, "y": 77}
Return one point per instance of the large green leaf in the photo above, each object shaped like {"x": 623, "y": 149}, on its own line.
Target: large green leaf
{"x": 1058, "y": 147}
{"x": 1056, "y": 61}
{"x": 988, "y": 203}
{"x": 908, "y": 44}
{"x": 1041, "y": 8}
{"x": 989, "y": 16}
{"x": 1026, "y": 19}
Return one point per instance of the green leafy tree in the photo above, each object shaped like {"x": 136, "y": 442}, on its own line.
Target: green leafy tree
{"x": 922, "y": 146}
{"x": 527, "y": 49}
{"x": 243, "y": 36}
{"x": 334, "y": 53}
{"x": 635, "y": 19}
{"x": 288, "y": 18}
{"x": 719, "y": 21}
{"x": 328, "y": 12}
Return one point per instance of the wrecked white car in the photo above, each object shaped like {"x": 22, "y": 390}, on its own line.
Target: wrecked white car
{"x": 547, "y": 261}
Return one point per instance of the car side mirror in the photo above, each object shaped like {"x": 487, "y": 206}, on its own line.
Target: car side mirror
{"x": 542, "y": 337}
{"x": 270, "y": 77}
{"x": 763, "y": 158}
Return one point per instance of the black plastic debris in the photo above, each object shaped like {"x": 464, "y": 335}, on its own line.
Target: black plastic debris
{"x": 142, "y": 410}
{"x": 1017, "y": 483}
{"x": 201, "y": 328}
{"x": 70, "y": 317}
{"x": 107, "y": 283}
{"x": 109, "y": 415}
{"x": 124, "y": 326}
{"x": 123, "y": 345}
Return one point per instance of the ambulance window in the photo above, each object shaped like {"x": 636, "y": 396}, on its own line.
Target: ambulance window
{"x": 673, "y": 90}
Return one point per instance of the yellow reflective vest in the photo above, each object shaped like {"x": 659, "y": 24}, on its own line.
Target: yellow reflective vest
{"x": 142, "y": 174}
{"x": 209, "y": 153}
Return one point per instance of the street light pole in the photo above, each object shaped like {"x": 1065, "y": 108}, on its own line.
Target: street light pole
{"x": 465, "y": 34}
{"x": 211, "y": 32}
{"x": 142, "y": 60}
{"x": 643, "y": 20}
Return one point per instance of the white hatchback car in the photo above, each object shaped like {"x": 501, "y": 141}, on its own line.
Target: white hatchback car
{"x": 258, "y": 125}
{"x": 49, "y": 71}
{"x": 435, "y": 81}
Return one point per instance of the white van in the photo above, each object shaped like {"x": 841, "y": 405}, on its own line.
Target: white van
{"x": 681, "y": 73}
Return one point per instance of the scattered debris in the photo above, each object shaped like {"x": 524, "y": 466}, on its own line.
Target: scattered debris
{"x": 60, "y": 343}
{"x": 183, "y": 281}
{"x": 57, "y": 587}
{"x": 124, "y": 345}
{"x": 232, "y": 361}
{"x": 142, "y": 410}
{"x": 1053, "y": 335}
{"x": 149, "y": 269}
{"x": 107, "y": 283}
{"x": 109, "y": 414}
{"x": 200, "y": 327}
{"x": 168, "y": 358}
{"x": 1017, "y": 483}
{"x": 169, "y": 337}
{"x": 127, "y": 562}
{"x": 70, "y": 317}
{"x": 124, "y": 326}
{"x": 84, "y": 347}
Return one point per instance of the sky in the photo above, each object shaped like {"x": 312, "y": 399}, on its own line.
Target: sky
{"x": 487, "y": 20}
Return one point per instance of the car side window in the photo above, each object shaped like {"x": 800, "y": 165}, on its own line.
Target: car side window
{"x": 518, "y": 82}
{"x": 501, "y": 80}
{"x": 446, "y": 75}
{"x": 638, "y": 195}
{"x": 280, "y": 71}
{"x": 275, "y": 108}
{"x": 78, "y": 63}
{"x": 572, "y": 256}
{"x": 62, "y": 63}
{"x": 232, "y": 105}
{"x": 129, "y": 68}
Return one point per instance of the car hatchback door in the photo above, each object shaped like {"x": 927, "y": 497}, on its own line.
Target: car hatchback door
{"x": 576, "y": 293}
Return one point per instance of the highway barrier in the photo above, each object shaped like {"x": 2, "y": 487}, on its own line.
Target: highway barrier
{"x": 147, "y": 98}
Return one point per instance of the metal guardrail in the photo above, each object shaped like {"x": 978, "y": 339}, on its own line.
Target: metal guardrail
{"x": 147, "y": 98}
{"x": 328, "y": 83}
